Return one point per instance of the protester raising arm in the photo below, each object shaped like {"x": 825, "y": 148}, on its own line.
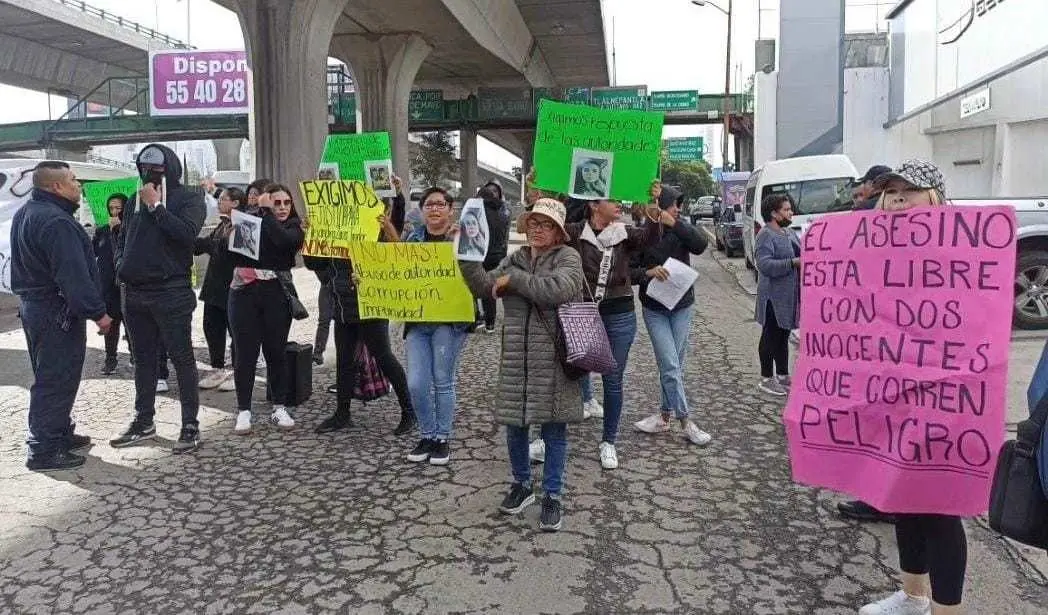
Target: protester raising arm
{"x": 182, "y": 225}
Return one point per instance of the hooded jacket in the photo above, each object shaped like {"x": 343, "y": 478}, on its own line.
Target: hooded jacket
{"x": 155, "y": 248}
{"x": 497, "y": 213}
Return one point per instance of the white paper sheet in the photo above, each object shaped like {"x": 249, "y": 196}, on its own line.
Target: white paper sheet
{"x": 668, "y": 293}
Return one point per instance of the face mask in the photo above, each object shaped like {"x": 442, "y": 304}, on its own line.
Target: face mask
{"x": 152, "y": 176}
{"x": 784, "y": 222}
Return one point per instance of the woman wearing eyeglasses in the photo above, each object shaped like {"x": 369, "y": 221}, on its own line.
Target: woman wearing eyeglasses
{"x": 259, "y": 314}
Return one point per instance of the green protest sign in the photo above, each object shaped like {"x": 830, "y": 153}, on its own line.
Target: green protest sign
{"x": 594, "y": 153}
{"x": 97, "y": 194}
{"x": 346, "y": 155}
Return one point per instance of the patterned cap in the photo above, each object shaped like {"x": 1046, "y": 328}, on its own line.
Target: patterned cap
{"x": 918, "y": 173}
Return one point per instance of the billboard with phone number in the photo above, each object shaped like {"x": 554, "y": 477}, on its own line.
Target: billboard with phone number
{"x": 199, "y": 83}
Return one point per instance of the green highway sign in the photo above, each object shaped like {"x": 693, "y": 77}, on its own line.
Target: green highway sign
{"x": 578, "y": 96}
{"x": 634, "y": 97}
{"x": 343, "y": 108}
{"x": 426, "y": 105}
{"x": 505, "y": 103}
{"x": 677, "y": 100}
{"x": 684, "y": 149}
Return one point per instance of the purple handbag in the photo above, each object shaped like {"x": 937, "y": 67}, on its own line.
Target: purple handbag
{"x": 586, "y": 345}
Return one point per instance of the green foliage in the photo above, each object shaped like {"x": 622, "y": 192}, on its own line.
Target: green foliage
{"x": 693, "y": 177}
{"x": 435, "y": 158}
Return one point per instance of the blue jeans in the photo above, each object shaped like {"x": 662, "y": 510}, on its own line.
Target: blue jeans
{"x": 555, "y": 435}
{"x": 622, "y": 329}
{"x": 586, "y": 384}
{"x": 669, "y": 339}
{"x": 57, "y": 342}
{"x": 433, "y": 356}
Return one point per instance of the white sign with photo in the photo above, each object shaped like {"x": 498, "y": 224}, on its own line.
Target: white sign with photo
{"x": 379, "y": 175}
{"x": 472, "y": 239}
{"x": 591, "y": 174}
{"x": 246, "y": 237}
{"x": 328, "y": 171}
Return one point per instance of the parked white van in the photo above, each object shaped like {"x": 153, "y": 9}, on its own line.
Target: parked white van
{"x": 16, "y": 184}
{"x": 819, "y": 185}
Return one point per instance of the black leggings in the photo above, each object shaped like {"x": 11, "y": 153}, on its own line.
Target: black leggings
{"x": 934, "y": 545}
{"x": 774, "y": 346}
{"x": 113, "y": 338}
{"x": 375, "y": 335}
{"x": 259, "y": 317}
{"x": 488, "y": 310}
{"x": 216, "y": 323}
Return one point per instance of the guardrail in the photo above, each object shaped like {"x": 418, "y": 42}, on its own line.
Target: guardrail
{"x": 124, "y": 23}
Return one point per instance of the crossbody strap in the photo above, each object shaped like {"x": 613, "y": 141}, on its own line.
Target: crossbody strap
{"x": 605, "y": 273}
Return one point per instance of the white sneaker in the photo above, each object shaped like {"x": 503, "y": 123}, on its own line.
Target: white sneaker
{"x": 899, "y": 603}
{"x": 243, "y": 426}
{"x": 161, "y": 386}
{"x": 653, "y": 424}
{"x": 281, "y": 418}
{"x": 215, "y": 378}
{"x": 537, "y": 451}
{"x": 772, "y": 386}
{"x": 609, "y": 459}
{"x": 228, "y": 385}
{"x": 592, "y": 410}
{"x": 696, "y": 435}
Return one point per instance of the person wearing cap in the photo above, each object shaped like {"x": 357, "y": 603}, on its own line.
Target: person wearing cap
{"x": 864, "y": 196}
{"x": 667, "y": 327}
{"x": 933, "y": 549}
{"x": 533, "y": 388}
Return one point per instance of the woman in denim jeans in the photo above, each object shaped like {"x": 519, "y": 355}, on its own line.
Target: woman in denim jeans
{"x": 433, "y": 349}
{"x": 668, "y": 328}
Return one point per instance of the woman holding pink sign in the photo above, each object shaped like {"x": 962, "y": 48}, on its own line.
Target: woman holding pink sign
{"x": 933, "y": 549}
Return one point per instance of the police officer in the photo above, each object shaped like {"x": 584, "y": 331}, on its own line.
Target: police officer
{"x": 54, "y": 274}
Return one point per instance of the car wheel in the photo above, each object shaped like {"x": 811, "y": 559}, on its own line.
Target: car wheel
{"x": 1031, "y": 290}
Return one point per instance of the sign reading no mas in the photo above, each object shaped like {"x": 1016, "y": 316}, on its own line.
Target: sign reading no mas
{"x": 198, "y": 83}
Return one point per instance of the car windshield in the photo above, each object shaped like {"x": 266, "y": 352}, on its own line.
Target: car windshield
{"x": 817, "y": 196}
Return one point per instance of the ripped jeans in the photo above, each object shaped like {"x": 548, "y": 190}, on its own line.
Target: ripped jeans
{"x": 433, "y": 356}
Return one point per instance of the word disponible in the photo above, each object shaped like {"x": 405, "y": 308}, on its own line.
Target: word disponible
{"x": 900, "y": 391}
{"x": 340, "y": 212}
{"x": 192, "y": 66}
{"x": 410, "y": 282}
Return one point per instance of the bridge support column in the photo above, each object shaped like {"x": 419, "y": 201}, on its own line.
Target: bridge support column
{"x": 469, "y": 172}
{"x": 227, "y": 152}
{"x": 287, "y": 46}
{"x": 384, "y": 69}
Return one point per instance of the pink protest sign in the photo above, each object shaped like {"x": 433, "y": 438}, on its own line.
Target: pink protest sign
{"x": 900, "y": 388}
{"x": 198, "y": 82}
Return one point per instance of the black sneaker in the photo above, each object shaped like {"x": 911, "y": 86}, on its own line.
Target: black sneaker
{"x": 335, "y": 422}
{"x": 861, "y": 511}
{"x": 421, "y": 451}
{"x": 318, "y": 359}
{"x": 188, "y": 440}
{"x": 549, "y": 520}
{"x": 134, "y": 434}
{"x": 440, "y": 455}
{"x": 518, "y": 498}
{"x": 109, "y": 366}
{"x": 76, "y": 441}
{"x": 407, "y": 423}
{"x": 56, "y": 462}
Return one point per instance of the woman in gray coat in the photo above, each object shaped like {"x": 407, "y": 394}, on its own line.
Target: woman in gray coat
{"x": 532, "y": 386}
{"x": 778, "y": 251}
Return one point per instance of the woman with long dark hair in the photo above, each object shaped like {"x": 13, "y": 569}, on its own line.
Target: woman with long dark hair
{"x": 104, "y": 244}
{"x": 259, "y": 313}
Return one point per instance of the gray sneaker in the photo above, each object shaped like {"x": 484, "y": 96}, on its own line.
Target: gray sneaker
{"x": 785, "y": 381}
{"x": 772, "y": 387}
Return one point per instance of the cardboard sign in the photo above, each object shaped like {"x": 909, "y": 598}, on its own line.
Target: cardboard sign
{"x": 340, "y": 212}
{"x": 900, "y": 391}
{"x": 358, "y": 155}
{"x": 97, "y": 196}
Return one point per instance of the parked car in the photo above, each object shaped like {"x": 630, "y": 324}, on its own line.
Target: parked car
{"x": 702, "y": 208}
{"x": 728, "y": 232}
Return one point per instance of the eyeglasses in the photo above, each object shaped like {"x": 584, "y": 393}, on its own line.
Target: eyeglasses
{"x": 546, "y": 225}
{"x": 435, "y": 205}
{"x": 282, "y": 202}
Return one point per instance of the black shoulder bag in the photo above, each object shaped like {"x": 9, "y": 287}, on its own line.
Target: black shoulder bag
{"x": 1018, "y": 506}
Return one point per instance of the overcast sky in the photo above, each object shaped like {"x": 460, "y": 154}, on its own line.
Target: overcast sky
{"x": 664, "y": 44}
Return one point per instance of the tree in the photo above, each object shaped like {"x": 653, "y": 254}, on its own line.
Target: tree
{"x": 435, "y": 158}
{"x": 693, "y": 177}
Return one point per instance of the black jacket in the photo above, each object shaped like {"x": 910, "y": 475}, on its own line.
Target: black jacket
{"x": 680, "y": 244}
{"x": 497, "y": 214}
{"x": 155, "y": 249}
{"x": 52, "y": 258}
{"x": 280, "y": 242}
{"x": 214, "y": 290}
{"x": 104, "y": 245}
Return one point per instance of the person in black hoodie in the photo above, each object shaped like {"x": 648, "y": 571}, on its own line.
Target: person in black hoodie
{"x": 669, "y": 328}
{"x": 214, "y": 290}
{"x": 104, "y": 244}
{"x": 154, "y": 260}
{"x": 259, "y": 314}
{"x": 497, "y": 213}
{"x": 53, "y": 272}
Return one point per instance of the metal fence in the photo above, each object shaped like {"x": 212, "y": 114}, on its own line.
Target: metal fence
{"x": 124, "y": 23}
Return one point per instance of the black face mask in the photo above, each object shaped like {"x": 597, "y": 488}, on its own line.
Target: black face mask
{"x": 152, "y": 176}
{"x": 784, "y": 223}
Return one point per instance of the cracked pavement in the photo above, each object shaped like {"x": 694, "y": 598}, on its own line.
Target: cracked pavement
{"x": 295, "y": 522}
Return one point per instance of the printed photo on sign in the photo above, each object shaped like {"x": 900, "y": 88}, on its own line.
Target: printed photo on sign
{"x": 246, "y": 237}
{"x": 592, "y": 174}
{"x": 380, "y": 177}
{"x": 471, "y": 242}
{"x": 328, "y": 171}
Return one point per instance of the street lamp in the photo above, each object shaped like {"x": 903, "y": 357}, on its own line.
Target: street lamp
{"x": 726, "y": 105}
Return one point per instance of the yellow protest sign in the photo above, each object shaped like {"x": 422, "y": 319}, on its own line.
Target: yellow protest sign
{"x": 340, "y": 212}
{"x": 410, "y": 282}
